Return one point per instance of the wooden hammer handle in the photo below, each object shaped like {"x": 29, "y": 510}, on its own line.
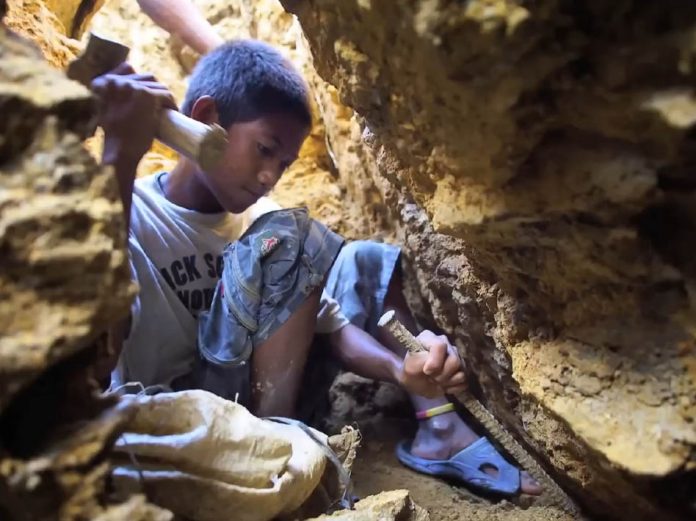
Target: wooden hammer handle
{"x": 204, "y": 144}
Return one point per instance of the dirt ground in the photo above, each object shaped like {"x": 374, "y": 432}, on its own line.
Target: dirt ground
{"x": 377, "y": 469}
{"x": 382, "y": 414}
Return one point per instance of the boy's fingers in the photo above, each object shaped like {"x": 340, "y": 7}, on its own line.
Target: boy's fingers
{"x": 451, "y": 367}
{"x": 437, "y": 345}
{"x": 411, "y": 368}
{"x": 108, "y": 91}
{"x": 110, "y": 86}
{"x": 100, "y": 83}
{"x": 153, "y": 85}
{"x": 456, "y": 389}
{"x": 165, "y": 98}
{"x": 120, "y": 90}
{"x": 436, "y": 358}
{"x": 168, "y": 102}
{"x": 456, "y": 380}
{"x": 142, "y": 77}
{"x": 122, "y": 69}
{"x": 426, "y": 337}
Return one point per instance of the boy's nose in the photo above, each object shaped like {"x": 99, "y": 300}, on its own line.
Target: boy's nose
{"x": 268, "y": 178}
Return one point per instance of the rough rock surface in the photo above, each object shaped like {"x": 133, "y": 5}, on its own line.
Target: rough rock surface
{"x": 387, "y": 506}
{"x": 64, "y": 269}
{"x": 538, "y": 159}
{"x": 64, "y": 278}
{"x": 74, "y": 15}
{"x": 34, "y": 20}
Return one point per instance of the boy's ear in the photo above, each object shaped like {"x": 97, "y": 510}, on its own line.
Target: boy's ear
{"x": 204, "y": 110}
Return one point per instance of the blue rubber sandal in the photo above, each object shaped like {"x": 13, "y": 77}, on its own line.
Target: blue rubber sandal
{"x": 465, "y": 466}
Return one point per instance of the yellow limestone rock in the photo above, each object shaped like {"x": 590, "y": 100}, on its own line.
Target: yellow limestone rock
{"x": 64, "y": 279}
{"x": 75, "y": 15}
{"x": 395, "y": 505}
{"x": 537, "y": 158}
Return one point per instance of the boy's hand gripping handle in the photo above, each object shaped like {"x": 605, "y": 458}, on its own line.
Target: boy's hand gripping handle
{"x": 204, "y": 144}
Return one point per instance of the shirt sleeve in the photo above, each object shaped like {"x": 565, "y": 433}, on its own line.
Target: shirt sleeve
{"x": 330, "y": 317}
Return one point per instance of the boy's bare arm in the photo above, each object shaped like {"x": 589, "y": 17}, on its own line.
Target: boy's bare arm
{"x": 430, "y": 374}
{"x": 183, "y": 19}
{"x": 362, "y": 354}
{"x": 129, "y": 109}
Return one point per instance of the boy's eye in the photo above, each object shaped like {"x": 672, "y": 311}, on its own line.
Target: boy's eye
{"x": 264, "y": 150}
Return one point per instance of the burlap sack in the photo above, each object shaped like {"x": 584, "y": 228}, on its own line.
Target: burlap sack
{"x": 209, "y": 459}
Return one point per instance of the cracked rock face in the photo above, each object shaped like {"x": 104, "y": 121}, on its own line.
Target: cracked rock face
{"x": 61, "y": 233}
{"x": 73, "y": 15}
{"x": 536, "y": 162}
{"x": 539, "y": 157}
{"x": 64, "y": 279}
{"x": 34, "y": 20}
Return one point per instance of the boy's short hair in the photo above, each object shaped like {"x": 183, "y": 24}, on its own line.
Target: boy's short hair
{"x": 248, "y": 79}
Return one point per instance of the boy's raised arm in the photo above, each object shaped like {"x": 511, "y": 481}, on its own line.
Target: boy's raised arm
{"x": 183, "y": 19}
{"x": 129, "y": 110}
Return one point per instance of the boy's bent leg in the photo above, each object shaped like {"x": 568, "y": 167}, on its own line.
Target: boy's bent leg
{"x": 264, "y": 312}
{"x": 279, "y": 362}
{"x": 366, "y": 280}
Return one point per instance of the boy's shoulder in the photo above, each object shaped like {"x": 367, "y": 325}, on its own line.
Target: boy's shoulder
{"x": 150, "y": 210}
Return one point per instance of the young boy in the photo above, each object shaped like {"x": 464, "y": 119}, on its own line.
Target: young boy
{"x": 180, "y": 223}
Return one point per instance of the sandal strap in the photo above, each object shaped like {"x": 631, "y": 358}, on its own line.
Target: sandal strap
{"x": 435, "y": 411}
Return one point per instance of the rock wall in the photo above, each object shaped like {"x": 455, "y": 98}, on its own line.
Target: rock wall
{"x": 538, "y": 159}
{"x": 535, "y": 158}
{"x": 64, "y": 278}
{"x": 35, "y": 21}
{"x": 74, "y": 15}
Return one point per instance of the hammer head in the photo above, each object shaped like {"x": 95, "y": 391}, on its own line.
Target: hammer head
{"x": 100, "y": 56}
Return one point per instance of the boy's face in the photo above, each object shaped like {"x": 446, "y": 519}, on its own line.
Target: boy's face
{"x": 258, "y": 153}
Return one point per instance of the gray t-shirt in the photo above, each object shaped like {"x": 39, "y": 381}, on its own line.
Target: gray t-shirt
{"x": 176, "y": 259}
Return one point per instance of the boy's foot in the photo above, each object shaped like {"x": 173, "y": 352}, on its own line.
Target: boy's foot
{"x": 443, "y": 436}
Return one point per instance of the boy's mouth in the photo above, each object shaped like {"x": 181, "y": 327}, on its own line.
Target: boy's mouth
{"x": 258, "y": 195}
